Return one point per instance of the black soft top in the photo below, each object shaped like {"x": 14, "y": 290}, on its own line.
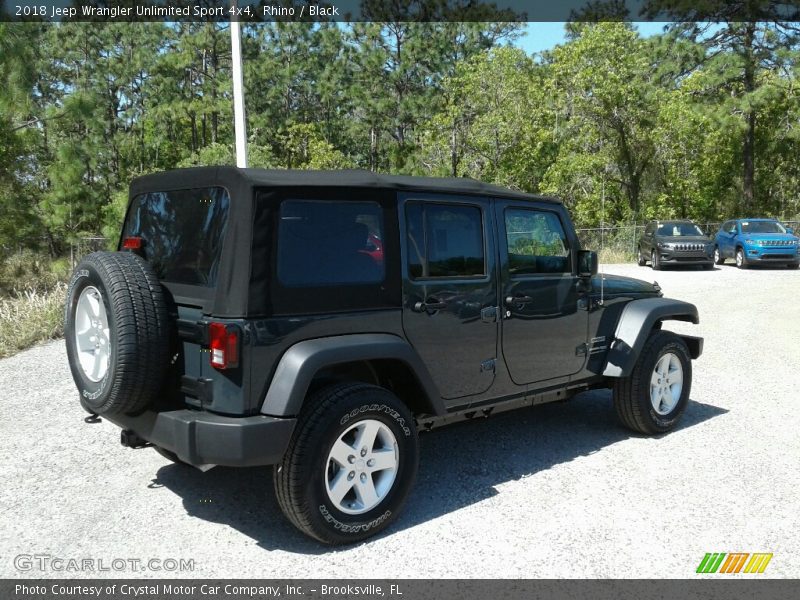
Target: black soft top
{"x": 233, "y": 178}
{"x": 243, "y": 285}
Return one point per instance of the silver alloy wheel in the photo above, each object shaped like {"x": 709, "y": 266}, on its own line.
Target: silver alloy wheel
{"x": 666, "y": 383}
{"x": 92, "y": 335}
{"x": 716, "y": 255}
{"x": 361, "y": 467}
{"x": 739, "y": 257}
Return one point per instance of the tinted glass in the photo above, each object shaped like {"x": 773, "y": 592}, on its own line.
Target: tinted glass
{"x": 444, "y": 240}
{"x": 762, "y": 227}
{"x": 183, "y": 232}
{"x": 536, "y": 242}
{"x": 679, "y": 230}
{"x": 322, "y": 243}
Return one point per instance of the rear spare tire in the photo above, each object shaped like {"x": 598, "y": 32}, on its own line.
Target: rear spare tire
{"x": 116, "y": 327}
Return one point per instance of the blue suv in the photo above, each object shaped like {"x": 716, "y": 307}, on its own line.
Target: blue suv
{"x": 756, "y": 241}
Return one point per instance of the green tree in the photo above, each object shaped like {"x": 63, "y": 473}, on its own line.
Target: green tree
{"x": 605, "y": 93}
{"x": 743, "y": 41}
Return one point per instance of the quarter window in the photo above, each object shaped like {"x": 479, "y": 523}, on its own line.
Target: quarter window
{"x": 536, "y": 242}
{"x": 444, "y": 240}
{"x": 322, "y": 243}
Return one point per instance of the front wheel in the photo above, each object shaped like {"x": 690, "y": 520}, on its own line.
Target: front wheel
{"x": 741, "y": 261}
{"x": 655, "y": 261}
{"x": 653, "y": 398}
{"x": 350, "y": 464}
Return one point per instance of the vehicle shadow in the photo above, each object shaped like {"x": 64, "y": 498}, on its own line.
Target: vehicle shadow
{"x": 460, "y": 465}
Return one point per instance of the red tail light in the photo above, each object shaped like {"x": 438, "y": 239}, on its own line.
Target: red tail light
{"x": 223, "y": 342}
{"x": 133, "y": 243}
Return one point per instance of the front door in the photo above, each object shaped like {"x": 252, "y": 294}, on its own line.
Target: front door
{"x": 544, "y": 330}
{"x": 727, "y": 241}
{"x": 450, "y": 289}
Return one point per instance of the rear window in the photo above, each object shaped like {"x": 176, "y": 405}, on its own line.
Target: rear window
{"x": 182, "y": 231}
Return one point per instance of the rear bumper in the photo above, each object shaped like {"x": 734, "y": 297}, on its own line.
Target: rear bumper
{"x": 203, "y": 438}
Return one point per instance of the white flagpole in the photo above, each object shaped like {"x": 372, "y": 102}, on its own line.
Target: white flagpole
{"x": 239, "y": 121}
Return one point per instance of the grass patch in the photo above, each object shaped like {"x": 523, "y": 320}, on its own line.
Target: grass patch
{"x": 32, "y": 293}
{"x": 30, "y": 317}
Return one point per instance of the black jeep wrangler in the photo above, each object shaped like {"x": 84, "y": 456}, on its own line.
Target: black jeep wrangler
{"x": 318, "y": 321}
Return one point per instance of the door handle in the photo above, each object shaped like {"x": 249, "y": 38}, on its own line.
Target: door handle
{"x": 512, "y": 300}
{"x": 429, "y": 305}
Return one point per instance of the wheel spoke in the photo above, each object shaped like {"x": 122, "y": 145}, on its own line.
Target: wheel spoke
{"x": 340, "y": 486}
{"x": 341, "y": 453}
{"x": 85, "y": 340}
{"x": 94, "y": 304}
{"x": 384, "y": 459}
{"x": 366, "y": 437}
{"x": 655, "y": 378}
{"x": 365, "y": 490}
{"x": 99, "y": 363}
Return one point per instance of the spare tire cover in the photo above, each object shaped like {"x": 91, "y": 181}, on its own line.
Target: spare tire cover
{"x": 117, "y": 332}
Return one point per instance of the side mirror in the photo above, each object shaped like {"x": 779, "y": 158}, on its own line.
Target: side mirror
{"x": 790, "y": 230}
{"x": 587, "y": 263}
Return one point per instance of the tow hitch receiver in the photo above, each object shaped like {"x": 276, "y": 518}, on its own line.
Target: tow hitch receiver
{"x": 131, "y": 439}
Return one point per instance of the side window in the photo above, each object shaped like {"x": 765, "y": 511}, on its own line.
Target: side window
{"x": 444, "y": 240}
{"x": 649, "y": 229}
{"x": 323, "y": 243}
{"x": 731, "y": 227}
{"x": 536, "y": 242}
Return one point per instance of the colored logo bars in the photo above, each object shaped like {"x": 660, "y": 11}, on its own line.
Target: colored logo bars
{"x": 734, "y": 562}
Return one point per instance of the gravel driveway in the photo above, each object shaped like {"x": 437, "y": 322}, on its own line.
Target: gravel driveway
{"x": 555, "y": 491}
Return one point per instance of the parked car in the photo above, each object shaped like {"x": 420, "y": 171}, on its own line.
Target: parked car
{"x": 756, "y": 241}
{"x": 242, "y": 323}
{"x": 678, "y": 242}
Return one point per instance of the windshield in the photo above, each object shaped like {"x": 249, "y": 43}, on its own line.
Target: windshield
{"x": 762, "y": 227}
{"x": 182, "y": 232}
{"x": 679, "y": 230}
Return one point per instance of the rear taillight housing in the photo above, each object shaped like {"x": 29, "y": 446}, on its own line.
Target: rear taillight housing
{"x": 223, "y": 343}
{"x": 133, "y": 243}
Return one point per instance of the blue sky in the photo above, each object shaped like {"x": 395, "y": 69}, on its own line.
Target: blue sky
{"x": 543, "y": 36}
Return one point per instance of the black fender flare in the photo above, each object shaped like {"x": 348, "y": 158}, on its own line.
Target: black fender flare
{"x": 636, "y": 321}
{"x": 299, "y": 364}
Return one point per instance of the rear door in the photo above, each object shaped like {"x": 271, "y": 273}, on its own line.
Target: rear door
{"x": 544, "y": 331}
{"x": 450, "y": 289}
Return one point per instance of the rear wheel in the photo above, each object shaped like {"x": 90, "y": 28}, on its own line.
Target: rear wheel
{"x": 741, "y": 260}
{"x": 640, "y": 259}
{"x": 654, "y": 397}
{"x": 350, "y": 464}
{"x": 718, "y": 258}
